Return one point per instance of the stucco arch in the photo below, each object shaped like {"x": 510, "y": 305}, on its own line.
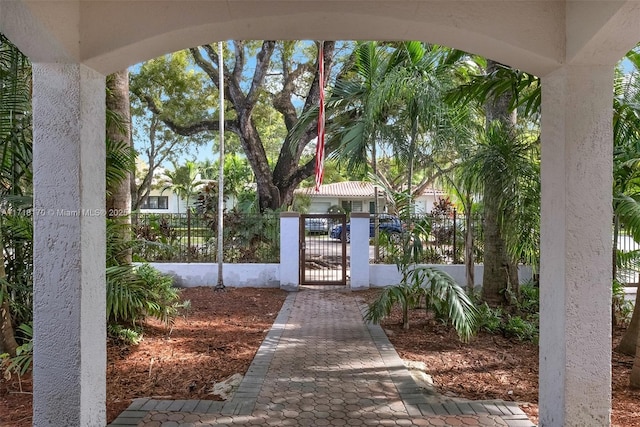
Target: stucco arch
{"x": 530, "y": 35}
{"x": 572, "y": 45}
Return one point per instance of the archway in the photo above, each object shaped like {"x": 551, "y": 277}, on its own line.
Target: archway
{"x": 572, "y": 45}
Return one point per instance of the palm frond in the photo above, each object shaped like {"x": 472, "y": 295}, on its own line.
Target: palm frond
{"x": 447, "y": 299}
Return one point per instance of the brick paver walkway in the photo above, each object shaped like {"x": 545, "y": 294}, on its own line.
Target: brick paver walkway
{"x": 321, "y": 365}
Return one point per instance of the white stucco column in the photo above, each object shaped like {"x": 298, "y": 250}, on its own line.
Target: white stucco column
{"x": 359, "y": 250}
{"x": 289, "y": 251}
{"x": 575, "y": 318}
{"x": 69, "y": 245}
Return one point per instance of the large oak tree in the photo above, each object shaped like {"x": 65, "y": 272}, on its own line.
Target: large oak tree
{"x": 283, "y": 77}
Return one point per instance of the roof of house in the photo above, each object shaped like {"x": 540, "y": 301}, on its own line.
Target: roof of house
{"x": 352, "y": 189}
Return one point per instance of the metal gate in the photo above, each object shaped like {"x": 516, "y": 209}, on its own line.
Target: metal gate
{"x": 323, "y": 249}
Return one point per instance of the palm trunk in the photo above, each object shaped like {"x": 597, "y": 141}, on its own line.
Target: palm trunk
{"x": 495, "y": 279}
{"x": 629, "y": 341}
{"x": 634, "y": 379}
{"x": 8, "y": 342}
{"x": 499, "y": 271}
{"x": 468, "y": 249}
{"x": 119, "y": 204}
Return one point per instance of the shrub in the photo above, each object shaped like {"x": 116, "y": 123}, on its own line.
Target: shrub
{"x": 136, "y": 292}
{"x": 522, "y": 326}
{"x": 22, "y": 361}
{"x": 440, "y": 292}
{"x": 521, "y": 329}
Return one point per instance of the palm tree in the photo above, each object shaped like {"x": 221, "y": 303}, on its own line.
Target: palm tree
{"x": 501, "y": 91}
{"x": 626, "y": 176}
{"x": 503, "y": 168}
{"x": 120, "y": 154}
{"x": 15, "y": 162}
{"x": 184, "y": 180}
{"x": 415, "y": 88}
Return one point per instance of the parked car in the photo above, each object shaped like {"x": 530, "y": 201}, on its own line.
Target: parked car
{"x": 316, "y": 225}
{"x": 389, "y": 224}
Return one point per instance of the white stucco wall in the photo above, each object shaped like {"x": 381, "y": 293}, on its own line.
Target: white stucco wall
{"x": 387, "y": 274}
{"x": 188, "y": 275}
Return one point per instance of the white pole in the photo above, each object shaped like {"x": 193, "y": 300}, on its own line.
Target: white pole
{"x": 220, "y": 284}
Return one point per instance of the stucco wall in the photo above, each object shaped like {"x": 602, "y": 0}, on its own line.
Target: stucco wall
{"x": 188, "y": 275}
{"x": 386, "y": 274}
{"x": 235, "y": 275}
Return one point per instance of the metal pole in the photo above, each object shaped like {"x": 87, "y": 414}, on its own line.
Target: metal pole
{"x": 188, "y": 235}
{"x": 220, "y": 284}
{"x": 455, "y": 243}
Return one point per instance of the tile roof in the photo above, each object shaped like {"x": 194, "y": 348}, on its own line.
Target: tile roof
{"x": 351, "y": 189}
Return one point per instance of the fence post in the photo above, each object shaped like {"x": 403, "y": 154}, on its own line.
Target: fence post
{"x": 188, "y": 234}
{"x": 359, "y": 256}
{"x": 289, "y": 251}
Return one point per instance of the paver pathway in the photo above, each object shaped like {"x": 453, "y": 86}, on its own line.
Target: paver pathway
{"x": 321, "y": 365}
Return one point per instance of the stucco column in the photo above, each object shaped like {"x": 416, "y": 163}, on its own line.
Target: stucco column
{"x": 575, "y": 281}
{"x": 359, "y": 250}
{"x": 69, "y": 245}
{"x": 289, "y": 251}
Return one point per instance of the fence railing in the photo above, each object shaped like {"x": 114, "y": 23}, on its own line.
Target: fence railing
{"x": 444, "y": 242}
{"x": 255, "y": 238}
{"x": 191, "y": 237}
{"x": 628, "y": 272}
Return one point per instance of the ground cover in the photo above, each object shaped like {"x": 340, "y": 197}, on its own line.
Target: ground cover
{"x": 219, "y": 335}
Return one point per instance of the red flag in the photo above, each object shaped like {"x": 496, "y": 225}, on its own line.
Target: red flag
{"x": 320, "y": 144}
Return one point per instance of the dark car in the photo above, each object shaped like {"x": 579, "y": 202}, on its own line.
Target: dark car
{"x": 389, "y": 224}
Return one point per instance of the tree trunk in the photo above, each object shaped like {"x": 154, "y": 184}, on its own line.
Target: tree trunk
{"x": 119, "y": 204}
{"x": 468, "y": 249}
{"x": 614, "y": 267}
{"x": 8, "y": 342}
{"x": 495, "y": 278}
{"x": 634, "y": 379}
{"x": 499, "y": 272}
{"x": 629, "y": 341}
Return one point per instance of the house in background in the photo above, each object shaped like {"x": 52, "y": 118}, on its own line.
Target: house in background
{"x": 166, "y": 201}
{"x": 162, "y": 198}
{"x": 358, "y": 196}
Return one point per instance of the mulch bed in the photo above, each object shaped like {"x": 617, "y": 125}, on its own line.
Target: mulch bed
{"x": 219, "y": 335}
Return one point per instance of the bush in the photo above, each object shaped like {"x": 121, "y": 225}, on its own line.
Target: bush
{"x": 622, "y": 308}
{"x": 521, "y": 329}
{"x": 439, "y": 291}
{"x": 22, "y": 361}
{"x": 490, "y": 319}
{"x": 136, "y": 292}
{"x": 522, "y": 326}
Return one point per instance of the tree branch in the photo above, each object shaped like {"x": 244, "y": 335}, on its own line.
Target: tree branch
{"x": 193, "y": 128}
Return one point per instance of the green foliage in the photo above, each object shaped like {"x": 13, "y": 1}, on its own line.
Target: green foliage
{"x": 17, "y": 241}
{"x": 529, "y": 301}
{"x": 134, "y": 293}
{"x": 436, "y": 289}
{"x": 490, "y": 319}
{"x": 622, "y": 308}
{"x": 184, "y": 180}
{"x": 521, "y": 329}
{"x": 23, "y": 360}
{"x": 120, "y": 162}
{"x": 132, "y": 336}
{"x": 521, "y": 324}
{"x": 157, "y": 239}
